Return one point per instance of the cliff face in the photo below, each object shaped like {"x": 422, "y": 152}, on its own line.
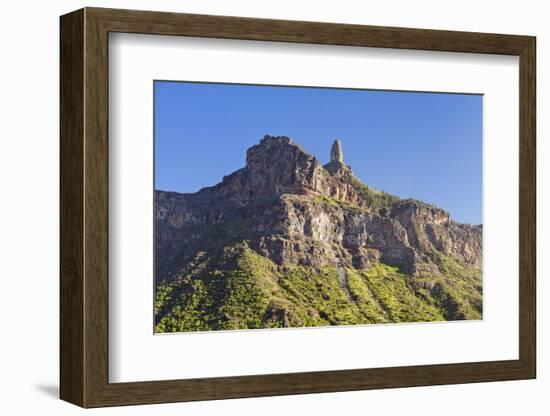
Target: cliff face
{"x": 277, "y": 166}
{"x": 293, "y": 212}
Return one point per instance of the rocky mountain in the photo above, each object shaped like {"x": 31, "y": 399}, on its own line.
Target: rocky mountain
{"x": 286, "y": 241}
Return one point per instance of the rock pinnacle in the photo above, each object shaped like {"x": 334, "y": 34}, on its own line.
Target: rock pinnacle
{"x": 336, "y": 154}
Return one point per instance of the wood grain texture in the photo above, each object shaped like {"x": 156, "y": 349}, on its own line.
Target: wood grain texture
{"x": 162, "y": 23}
{"x": 527, "y": 207}
{"x": 84, "y": 207}
{"x": 96, "y": 208}
{"x": 71, "y": 208}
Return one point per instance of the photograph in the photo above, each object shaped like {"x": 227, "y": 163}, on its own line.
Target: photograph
{"x": 290, "y": 206}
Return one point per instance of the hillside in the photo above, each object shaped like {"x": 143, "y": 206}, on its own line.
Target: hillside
{"x": 287, "y": 242}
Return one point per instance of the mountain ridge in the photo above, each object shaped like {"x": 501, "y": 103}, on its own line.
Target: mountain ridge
{"x": 291, "y": 211}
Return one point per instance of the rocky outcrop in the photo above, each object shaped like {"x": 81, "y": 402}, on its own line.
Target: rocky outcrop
{"x": 336, "y": 152}
{"x": 277, "y": 166}
{"x": 293, "y": 210}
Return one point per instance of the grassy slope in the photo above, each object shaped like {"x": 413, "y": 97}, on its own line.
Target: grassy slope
{"x": 240, "y": 289}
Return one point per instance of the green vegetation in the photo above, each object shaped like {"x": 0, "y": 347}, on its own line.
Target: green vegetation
{"x": 460, "y": 289}
{"x": 324, "y": 200}
{"x": 318, "y": 199}
{"x": 239, "y": 289}
{"x": 375, "y": 199}
{"x": 395, "y": 294}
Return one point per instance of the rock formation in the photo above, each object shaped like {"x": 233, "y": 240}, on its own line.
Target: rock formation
{"x": 289, "y": 210}
{"x": 336, "y": 153}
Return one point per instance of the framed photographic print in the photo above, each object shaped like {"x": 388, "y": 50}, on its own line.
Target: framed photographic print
{"x": 255, "y": 207}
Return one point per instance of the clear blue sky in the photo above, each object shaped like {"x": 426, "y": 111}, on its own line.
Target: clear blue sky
{"x": 426, "y": 146}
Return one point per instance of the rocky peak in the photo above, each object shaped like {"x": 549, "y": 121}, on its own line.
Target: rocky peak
{"x": 336, "y": 153}
{"x": 336, "y": 167}
{"x": 277, "y": 166}
{"x": 293, "y": 210}
{"x": 285, "y": 219}
{"x": 278, "y": 156}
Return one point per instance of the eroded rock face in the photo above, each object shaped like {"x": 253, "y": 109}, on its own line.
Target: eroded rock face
{"x": 276, "y": 166}
{"x": 293, "y": 210}
{"x": 336, "y": 152}
{"x": 431, "y": 228}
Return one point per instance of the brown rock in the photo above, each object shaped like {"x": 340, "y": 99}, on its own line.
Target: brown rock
{"x": 293, "y": 210}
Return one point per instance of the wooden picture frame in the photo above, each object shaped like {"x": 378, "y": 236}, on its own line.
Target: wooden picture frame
{"x": 84, "y": 207}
